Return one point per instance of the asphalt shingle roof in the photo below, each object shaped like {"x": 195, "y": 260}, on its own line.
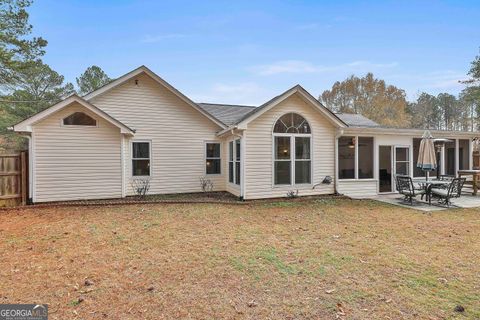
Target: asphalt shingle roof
{"x": 227, "y": 113}
{"x": 357, "y": 120}
{"x": 230, "y": 114}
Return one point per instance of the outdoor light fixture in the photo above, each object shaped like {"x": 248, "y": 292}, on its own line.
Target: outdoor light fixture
{"x": 136, "y": 82}
{"x": 351, "y": 145}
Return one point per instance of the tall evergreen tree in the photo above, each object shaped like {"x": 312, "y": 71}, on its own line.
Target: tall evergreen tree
{"x": 37, "y": 88}
{"x": 92, "y": 79}
{"x": 16, "y": 45}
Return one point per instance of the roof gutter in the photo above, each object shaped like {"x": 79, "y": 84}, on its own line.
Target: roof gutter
{"x": 229, "y": 129}
{"x": 409, "y": 132}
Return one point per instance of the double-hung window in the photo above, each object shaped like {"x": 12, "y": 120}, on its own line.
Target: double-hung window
{"x": 234, "y": 157}
{"x": 292, "y": 150}
{"x": 212, "y": 158}
{"x": 140, "y": 158}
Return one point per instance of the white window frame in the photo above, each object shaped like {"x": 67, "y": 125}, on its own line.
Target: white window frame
{"x": 232, "y": 144}
{"x": 237, "y": 161}
{"x": 213, "y": 158}
{"x": 292, "y": 159}
{"x": 409, "y": 160}
{"x": 78, "y": 125}
{"x": 356, "y": 176}
{"x": 149, "y": 159}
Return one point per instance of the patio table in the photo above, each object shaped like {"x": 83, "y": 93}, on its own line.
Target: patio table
{"x": 429, "y": 184}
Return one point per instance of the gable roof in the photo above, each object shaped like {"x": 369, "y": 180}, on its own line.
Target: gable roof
{"x": 357, "y": 120}
{"x": 229, "y": 114}
{"x": 154, "y": 76}
{"x": 26, "y": 125}
{"x": 298, "y": 89}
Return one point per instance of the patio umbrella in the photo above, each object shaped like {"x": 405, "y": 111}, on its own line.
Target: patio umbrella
{"x": 427, "y": 160}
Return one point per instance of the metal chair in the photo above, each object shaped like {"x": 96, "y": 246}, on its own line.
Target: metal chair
{"x": 407, "y": 189}
{"x": 454, "y": 190}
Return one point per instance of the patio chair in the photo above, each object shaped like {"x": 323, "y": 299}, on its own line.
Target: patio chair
{"x": 406, "y": 187}
{"x": 454, "y": 190}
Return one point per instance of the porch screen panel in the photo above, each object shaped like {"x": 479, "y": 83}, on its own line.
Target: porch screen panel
{"x": 450, "y": 158}
{"x": 365, "y": 158}
{"x": 346, "y": 158}
{"x": 417, "y": 172}
{"x": 463, "y": 154}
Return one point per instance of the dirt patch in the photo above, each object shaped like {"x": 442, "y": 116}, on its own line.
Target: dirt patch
{"x": 317, "y": 259}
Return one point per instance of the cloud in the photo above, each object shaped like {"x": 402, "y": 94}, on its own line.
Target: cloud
{"x": 302, "y": 67}
{"x": 248, "y": 93}
{"x": 157, "y": 38}
{"x": 432, "y": 82}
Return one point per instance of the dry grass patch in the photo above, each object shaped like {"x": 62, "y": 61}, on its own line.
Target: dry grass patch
{"x": 319, "y": 259}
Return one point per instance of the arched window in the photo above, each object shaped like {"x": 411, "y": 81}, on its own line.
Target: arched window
{"x": 292, "y": 147}
{"x": 79, "y": 119}
{"x": 292, "y": 123}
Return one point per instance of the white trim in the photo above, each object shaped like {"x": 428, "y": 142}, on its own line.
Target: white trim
{"x": 356, "y": 156}
{"x": 30, "y": 167}
{"x": 150, "y": 159}
{"x": 442, "y": 159}
{"x": 26, "y": 125}
{"x": 292, "y": 159}
{"x": 470, "y": 154}
{"x": 122, "y": 164}
{"x": 213, "y": 158}
{"x": 392, "y": 169}
{"x": 295, "y": 90}
{"x": 408, "y": 132}
{"x": 62, "y": 121}
{"x": 408, "y": 161}
{"x": 34, "y": 169}
{"x": 457, "y": 157}
{"x": 143, "y": 69}
{"x": 234, "y": 161}
{"x": 242, "y": 164}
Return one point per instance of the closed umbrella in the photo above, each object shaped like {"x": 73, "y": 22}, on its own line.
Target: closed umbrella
{"x": 427, "y": 160}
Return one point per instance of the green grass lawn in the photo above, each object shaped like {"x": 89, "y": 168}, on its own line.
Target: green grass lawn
{"x": 315, "y": 259}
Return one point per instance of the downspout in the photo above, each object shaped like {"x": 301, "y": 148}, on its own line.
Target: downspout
{"x": 338, "y": 134}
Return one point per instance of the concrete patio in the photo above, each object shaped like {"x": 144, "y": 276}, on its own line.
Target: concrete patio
{"x": 467, "y": 200}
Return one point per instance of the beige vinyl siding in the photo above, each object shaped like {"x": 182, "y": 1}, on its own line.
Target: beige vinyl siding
{"x": 259, "y": 153}
{"x": 177, "y": 132}
{"x": 357, "y": 188}
{"x": 76, "y": 162}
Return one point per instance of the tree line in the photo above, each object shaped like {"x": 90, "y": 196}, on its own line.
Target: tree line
{"x": 27, "y": 84}
{"x": 387, "y": 104}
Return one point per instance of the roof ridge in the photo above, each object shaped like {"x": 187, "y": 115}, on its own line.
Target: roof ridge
{"x": 227, "y": 105}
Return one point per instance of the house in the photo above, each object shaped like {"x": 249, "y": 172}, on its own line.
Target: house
{"x": 139, "y": 127}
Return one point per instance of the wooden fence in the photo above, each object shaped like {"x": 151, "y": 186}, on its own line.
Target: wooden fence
{"x": 13, "y": 179}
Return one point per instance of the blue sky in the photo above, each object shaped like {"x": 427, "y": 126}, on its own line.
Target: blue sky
{"x": 249, "y": 51}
